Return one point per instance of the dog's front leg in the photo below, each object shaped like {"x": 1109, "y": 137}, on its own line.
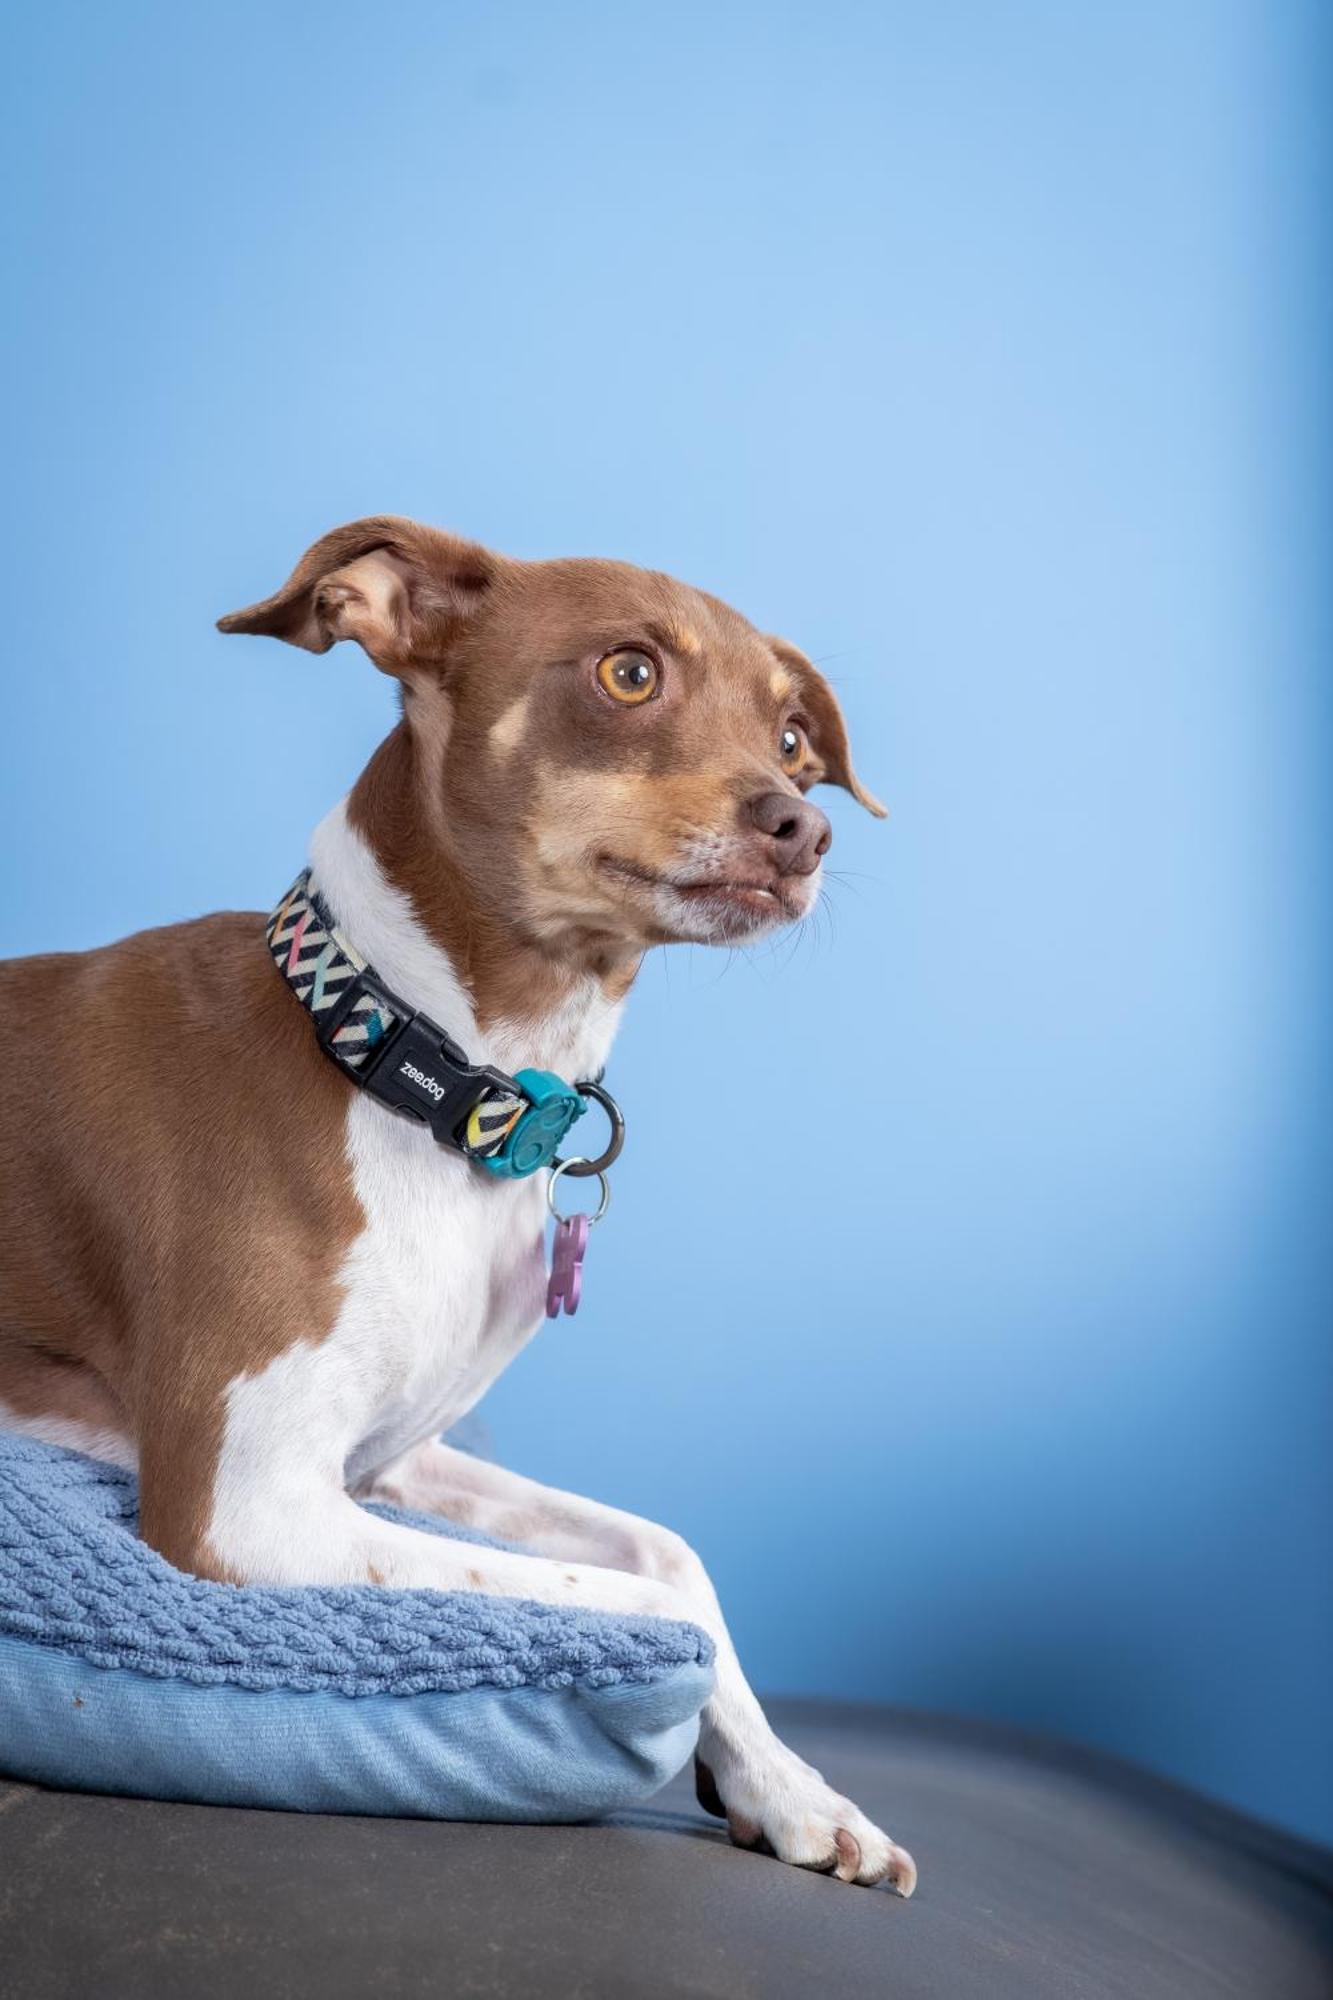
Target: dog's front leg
{"x": 746, "y": 1773}
{"x": 305, "y": 1530}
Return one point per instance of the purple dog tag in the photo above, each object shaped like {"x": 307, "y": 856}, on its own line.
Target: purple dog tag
{"x": 566, "y": 1285}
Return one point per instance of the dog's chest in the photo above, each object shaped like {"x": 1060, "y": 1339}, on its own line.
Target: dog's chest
{"x": 447, "y": 1279}
{"x": 443, "y": 1286}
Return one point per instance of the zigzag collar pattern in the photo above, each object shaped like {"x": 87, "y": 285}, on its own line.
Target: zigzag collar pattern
{"x": 509, "y": 1126}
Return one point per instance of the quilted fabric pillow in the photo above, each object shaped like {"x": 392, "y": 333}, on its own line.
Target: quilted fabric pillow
{"x": 120, "y": 1674}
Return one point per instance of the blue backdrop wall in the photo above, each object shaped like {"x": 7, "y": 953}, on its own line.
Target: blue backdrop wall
{"x": 975, "y": 348}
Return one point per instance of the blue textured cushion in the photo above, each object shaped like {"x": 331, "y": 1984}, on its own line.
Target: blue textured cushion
{"x": 118, "y": 1673}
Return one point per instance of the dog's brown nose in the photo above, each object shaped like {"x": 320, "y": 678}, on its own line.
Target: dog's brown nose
{"x": 798, "y": 833}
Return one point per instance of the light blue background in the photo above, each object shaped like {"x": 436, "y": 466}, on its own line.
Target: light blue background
{"x": 967, "y": 1294}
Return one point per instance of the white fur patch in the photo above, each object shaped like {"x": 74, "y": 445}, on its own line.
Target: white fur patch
{"x": 505, "y": 733}
{"x": 447, "y": 1280}
{"x": 721, "y": 857}
{"x": 94, "y": 1439}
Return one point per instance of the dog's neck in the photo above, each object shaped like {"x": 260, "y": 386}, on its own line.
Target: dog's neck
{"x": 505, "y": 1004}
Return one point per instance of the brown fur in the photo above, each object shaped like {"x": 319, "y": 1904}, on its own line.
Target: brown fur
{"x": 174, "y": 1194}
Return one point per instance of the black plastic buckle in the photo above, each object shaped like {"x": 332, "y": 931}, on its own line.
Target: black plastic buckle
{"x": 417, "y": 1070}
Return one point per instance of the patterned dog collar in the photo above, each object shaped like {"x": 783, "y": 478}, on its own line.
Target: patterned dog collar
{"x": 509, "y": 1125}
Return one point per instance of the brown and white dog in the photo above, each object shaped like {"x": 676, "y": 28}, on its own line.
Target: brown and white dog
{"x": 226, "y": 1266}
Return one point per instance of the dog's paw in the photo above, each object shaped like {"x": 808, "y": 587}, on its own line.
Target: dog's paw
{"x": 773, "y": 1801}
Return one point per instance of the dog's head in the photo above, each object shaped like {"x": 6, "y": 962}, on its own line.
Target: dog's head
{"x": 619, "y": 756}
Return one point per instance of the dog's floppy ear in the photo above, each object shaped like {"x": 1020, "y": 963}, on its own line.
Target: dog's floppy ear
{"x": 828, "y": 731}
{"x": 401, "y": 591}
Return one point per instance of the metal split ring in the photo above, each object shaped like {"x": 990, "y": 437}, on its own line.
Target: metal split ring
{"x": 581, "y": 1168}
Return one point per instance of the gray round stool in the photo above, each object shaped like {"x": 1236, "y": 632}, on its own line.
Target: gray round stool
{"x": 1045, "y": 1871}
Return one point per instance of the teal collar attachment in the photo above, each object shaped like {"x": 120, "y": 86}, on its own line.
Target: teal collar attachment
{"x": 509, "y": 1126}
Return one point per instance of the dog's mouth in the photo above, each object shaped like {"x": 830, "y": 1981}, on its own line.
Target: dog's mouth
{"x": 759, "y": 900}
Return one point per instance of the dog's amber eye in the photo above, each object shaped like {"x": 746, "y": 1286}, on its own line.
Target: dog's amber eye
{"x": 794, "y": 749}
{"x": 630, "y": 677}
